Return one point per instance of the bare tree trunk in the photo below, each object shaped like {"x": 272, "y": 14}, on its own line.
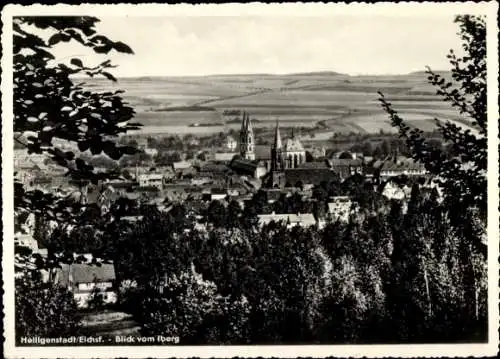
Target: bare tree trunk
{"x": 426, "y": 279}
{"x": 477, "y": 303}
{"x": 475, "y": 285}
{"x": 469, "y": 280}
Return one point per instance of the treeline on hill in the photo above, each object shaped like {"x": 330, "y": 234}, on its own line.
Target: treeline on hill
{"x": 382, "y": 145}
{"x": 386, "y": 276}
{"x": 175, "y": 148}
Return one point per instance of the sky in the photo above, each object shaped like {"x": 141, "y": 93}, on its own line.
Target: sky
{"x": 204, "y": 45}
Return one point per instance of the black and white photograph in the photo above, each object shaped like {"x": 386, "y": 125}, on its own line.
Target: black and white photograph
{"x": 256, "y": 176}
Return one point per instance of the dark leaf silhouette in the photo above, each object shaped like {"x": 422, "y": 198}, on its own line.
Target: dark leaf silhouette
{"x": 77, "y": 62}
{"x": 121, "y": 47}
{"x": 108, "y": 76}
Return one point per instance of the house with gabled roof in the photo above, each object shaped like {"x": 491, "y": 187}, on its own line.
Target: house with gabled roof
{"x": 290, "y": 219}
{"x": 247, "y": 167}
{"x": 394, "y": 166}
{"x": 392, "y": 190}
{"x": 339, "y": 208}
{"x": 81, "y": 279}
{"x": 345, "y": 167}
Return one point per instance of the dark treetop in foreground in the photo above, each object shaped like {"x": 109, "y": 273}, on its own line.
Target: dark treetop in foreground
{"x": 49, "y": 106}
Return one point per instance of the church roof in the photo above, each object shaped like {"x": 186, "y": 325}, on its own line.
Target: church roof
{"x": 294, "y": 145}
{"x": 309, "y": 175}
{"x": 314, "y": 165}
{"x": 262, "y": 152}
{"x": 245, "y": 166}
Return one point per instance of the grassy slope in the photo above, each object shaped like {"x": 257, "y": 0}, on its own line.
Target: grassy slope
{"x": 345, "y": 103}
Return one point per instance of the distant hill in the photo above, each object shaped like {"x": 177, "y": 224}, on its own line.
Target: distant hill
{"x": 341, "y": 102}
{"x": 312, "y": 74}
{"x": 236, "y": 75}
{"x": 445, "y": 73}
{"x": 315, "y": 73}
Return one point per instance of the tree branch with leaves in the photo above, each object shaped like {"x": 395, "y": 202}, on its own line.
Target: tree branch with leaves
{"x": 50, "y": 108}
{"x": 461, "y": 171}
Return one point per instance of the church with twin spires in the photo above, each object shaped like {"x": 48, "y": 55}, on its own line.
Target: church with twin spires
{"x": 293, "y": 152}
{"x": 275, "y": 158}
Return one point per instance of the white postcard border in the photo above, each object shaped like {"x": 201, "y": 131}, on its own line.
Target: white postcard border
{"x": 257, "y": 9}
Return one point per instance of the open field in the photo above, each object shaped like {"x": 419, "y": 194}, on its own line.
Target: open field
{"x": 341, "y": 102}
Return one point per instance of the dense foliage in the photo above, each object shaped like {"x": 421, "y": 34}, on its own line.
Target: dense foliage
{"x": 52, "y": 109}
{"x": 44, "y": 310}
{"x": 395, "y": 276}
{"x": 462, "y": 172}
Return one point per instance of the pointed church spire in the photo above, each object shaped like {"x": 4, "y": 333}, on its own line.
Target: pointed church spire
{"x": 277, "y": 178}
{"x": 277, "y": 137}
{"x": 246, "y": 138}
{"x": 243, "y": 122}
{"x": 249, "y": 123}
